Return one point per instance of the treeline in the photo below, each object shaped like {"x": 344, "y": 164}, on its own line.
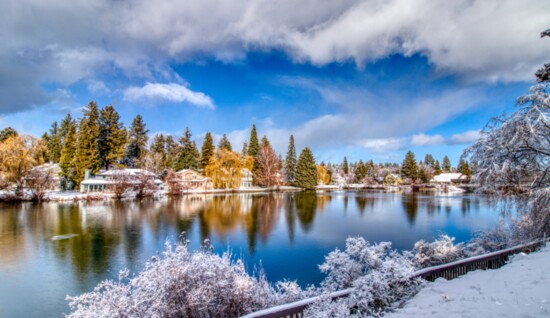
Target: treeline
{"x": 100, "y": 141}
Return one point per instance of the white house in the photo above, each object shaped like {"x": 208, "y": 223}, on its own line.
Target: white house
{"x": 105, "y": 180}
{"x": 190, "y": 179}
{"x": 246, "y": 178}
{"x": 449, "y": 178}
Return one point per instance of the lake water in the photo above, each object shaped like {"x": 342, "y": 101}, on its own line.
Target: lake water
{"x": 51, "y": 250}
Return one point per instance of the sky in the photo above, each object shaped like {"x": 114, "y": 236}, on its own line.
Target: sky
{"x": 367, "y": 79}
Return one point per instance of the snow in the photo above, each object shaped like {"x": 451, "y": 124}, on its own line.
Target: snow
{"x": 519, "y": 289}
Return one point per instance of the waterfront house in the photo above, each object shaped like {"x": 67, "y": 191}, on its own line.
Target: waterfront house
{"x": 45, "y": 176}
{"x": 107, "y": 181}
{"x": 246, "y": 179}
{"x": 187, "y": 179}
{"x": 450, "y": 178}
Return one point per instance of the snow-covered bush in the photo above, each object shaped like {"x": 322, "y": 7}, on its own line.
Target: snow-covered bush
{"x": 441, "y": 251}
{"x": 325, "y": 307}
{"x": 183, "y": 283}
{"x": 380, "y": 275}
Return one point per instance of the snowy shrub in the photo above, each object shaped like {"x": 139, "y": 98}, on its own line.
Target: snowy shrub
{"x": 441, "y": 251}
{"x": 182, "y": 283}
{"x": 325, "y": 307}
{"x": 381, "y": 277}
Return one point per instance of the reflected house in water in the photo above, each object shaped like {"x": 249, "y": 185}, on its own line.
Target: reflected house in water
{"x": 450, "y": 179}
{"x": 190, "y": 180}
{"x": 105, "y": 181}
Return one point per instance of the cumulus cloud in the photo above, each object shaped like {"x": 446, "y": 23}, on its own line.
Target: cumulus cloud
{"x": 171, "y": 92}
{"x": 426, "y": 140}
{"x": 465, "y": 137}
{"x": 492, "y": 40}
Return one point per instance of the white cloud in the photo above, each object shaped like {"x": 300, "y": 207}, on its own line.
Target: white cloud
{"x": 171, "y": 92}
{"x": 464, "y": 138}
{"x": 491, "y": 40}
{"x": 383, "y": 144}
{"x": 98, "y": 87}
{"x": 426, "y": 140}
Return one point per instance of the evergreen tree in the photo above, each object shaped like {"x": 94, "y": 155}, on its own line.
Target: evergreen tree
{"x": 87, "y": 152}
{"x": 207, "y": 150}
{"x": 437, "y": 168}
{"x": 409, "y": 168}
{"x": 345, "y": 166}
{"x": 172, "y": 151}
{"x": 306, "y": 170}
{"x": 360, "y": 171}
{"x": 112, "y": 137}
{"x": 188, "y": 155}
{"x": 429, "y": 160}
{"x": 137, "y": 143}
{"x": 225, "y": 144}
{"x": 253, "y": 144}
{"x": 158, "y": 147}
{"x": 67, "y": 159}
{"x": 290, "y": 161}
{"x": 53, "y": 143}
{"x": 244, "y": 151}
{"x": 6, "y": 133}
{"x": 464, "y": 168}
{"x": 446, "y": 164}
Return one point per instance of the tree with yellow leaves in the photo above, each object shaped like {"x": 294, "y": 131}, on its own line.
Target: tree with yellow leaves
{"x": 18, "y": 154}
{"x": 225, "y": 169}
{"x": 323, "y": 177}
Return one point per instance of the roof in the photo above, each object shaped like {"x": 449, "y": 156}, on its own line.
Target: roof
{"x": 447, "y": 177}
{"x": 132, "y": 172}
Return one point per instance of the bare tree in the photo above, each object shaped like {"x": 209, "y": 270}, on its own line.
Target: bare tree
{"x": 38, "y": 181}
{"x": 174, "y": 185}
{"x": 512, "y": 156}
{"x": 269, "y": 167}
{"x": 145, "y": 184}
{"x": 120, "y": 183}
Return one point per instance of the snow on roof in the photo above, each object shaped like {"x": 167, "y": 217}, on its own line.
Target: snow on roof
{"x": 447, "y": 177}
{"x": 132, "y": 172}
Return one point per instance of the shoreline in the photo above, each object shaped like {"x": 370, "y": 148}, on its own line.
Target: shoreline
{"x": 74, "y": 196}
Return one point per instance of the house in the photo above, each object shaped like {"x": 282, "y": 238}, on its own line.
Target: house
{"x": 187, "y": 179}
{"x": 107, "y": 181}
{"x": 45, "y": 176}
{"x": 246, "y": 178}
{"x": 450, "y": 178}
{"x": 393, "y": 179}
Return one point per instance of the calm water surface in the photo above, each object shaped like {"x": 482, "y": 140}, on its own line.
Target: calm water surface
{"x": 51, "y": 250}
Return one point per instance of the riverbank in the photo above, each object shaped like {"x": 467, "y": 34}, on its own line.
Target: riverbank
{"x": 519, "y": 289}
{"x": 73, "y": 196}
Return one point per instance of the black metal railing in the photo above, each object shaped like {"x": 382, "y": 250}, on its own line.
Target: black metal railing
{"x": 448, "y": 271}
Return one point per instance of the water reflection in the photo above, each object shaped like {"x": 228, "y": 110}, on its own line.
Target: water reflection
{"x": 108, "y": 236}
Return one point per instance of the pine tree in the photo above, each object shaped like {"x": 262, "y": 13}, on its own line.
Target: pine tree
{"x": 6, "y": 133}
{"x": 253, "y": 143}
{"x": 437, "y": 168}
{"x": 345, "y": 166}
{"x": 87, "y": 152}
{"x": 224, "y": 143}
{"x": 65, "y": 126}
{"x": 54, "y": 143}
{"x": 158, "y": 148}
{"x": 112, "y": 137}
{"x": 409, "y": 168}
{"x": 306, "y": 170}
{"x": 67, "y": 159}
{"x": 172, "y": 151}
{"x": 207, "y": 150}
{"x": 136, "y": 148}
{"x": 290, "y": 161}
{"x": 446, "y": 164}
{"x": 188, "y": 155}
{"x": 360, "y": 171}
{"x": 464, "y": 168}
{"x": 429, "y": 160}
{"x": 244, "y": 151}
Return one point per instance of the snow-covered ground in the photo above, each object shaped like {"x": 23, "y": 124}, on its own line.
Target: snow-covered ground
{"x": 519, "y": 289}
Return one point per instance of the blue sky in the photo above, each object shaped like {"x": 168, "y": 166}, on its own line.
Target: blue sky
{"x": 362, "y": 79}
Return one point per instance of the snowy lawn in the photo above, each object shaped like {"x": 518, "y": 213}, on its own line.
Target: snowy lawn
{"x": 519, "y": 289}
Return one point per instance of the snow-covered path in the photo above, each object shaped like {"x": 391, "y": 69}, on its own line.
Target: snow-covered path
{"x": 519, "y": 289}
